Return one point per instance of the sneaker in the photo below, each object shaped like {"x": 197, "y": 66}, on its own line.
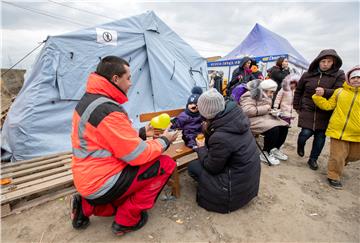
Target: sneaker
{"x": 119, "y": 229}
{"x": 270, "y": 157}
{"x": 335, "y": 184}
{"x": 313, "y": 164}
{"x": 79, "y": 220}
{"x": 278, "y": 154}
{"x": 300, "y": 149}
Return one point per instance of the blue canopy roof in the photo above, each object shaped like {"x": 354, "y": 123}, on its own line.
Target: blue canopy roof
{"x": 261, "y": 42}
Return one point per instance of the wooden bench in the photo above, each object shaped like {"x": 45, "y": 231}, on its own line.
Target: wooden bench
{"x": 176, "y": 150}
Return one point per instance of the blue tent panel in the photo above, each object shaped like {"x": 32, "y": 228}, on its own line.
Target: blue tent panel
{"x": 162, "y": 68}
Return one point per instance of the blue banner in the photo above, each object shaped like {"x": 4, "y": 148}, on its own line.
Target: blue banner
{"x": 235, "y": 62}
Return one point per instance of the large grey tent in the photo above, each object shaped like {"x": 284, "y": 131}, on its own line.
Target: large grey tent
{"x": 164, "y": 69}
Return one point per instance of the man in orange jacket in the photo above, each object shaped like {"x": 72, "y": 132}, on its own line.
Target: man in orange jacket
{"x": 116, "y": 171}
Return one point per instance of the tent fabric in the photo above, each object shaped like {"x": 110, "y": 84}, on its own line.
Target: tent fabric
{"x": 164, "y": 69}
{"x": 261, "y": 42}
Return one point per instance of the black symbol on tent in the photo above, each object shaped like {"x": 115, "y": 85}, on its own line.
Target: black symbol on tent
{"x": 107, "y": 36}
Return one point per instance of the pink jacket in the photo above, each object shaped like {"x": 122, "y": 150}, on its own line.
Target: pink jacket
{"x": 285, "y": 96}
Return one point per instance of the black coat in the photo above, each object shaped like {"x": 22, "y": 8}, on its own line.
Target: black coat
{"x": 310, "y": 116}
{"x": 239, "y": 72}
{"x": 231, "y": 162}
{"x": 278, "y": 74}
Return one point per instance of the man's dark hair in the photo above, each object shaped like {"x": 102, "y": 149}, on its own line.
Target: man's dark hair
{"x": 279, "y": 61}
{"x": 110, "y": 66}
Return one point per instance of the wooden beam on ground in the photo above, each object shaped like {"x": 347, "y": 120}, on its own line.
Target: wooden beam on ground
{"x": 38, "y": 201}
{"x": 14, "y": 164}
{"x": 66, "y": 180}
{"x": 12, "y": 187}
{"x": 23, "y": 179}
{"x": 33, "y": 164}
{"x": 36, "y": 169}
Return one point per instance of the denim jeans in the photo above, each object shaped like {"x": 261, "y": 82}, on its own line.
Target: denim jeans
{"x": 194, "y": 169}
{"x": 318, "y": 143}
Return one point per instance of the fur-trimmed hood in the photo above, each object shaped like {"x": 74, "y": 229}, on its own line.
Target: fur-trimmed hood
{"x": 288, "y": 79}
{"x": 254, "y": 88}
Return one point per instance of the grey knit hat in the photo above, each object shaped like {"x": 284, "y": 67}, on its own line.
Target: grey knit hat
{"x": 211, "y": 103}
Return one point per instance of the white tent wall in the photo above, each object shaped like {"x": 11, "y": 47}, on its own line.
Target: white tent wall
{"x": 39, "y": 121}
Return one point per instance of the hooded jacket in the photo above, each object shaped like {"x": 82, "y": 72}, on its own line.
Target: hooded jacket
{"x": 104, "y": 141}
{"x": 240, "y": 75}
{"x": 285, "y": 97}
{"x": 256, "y": 105}
{"x": 231, "y": 174}
{"x": 310, "y": 116}
{"x": 344, "y": 123}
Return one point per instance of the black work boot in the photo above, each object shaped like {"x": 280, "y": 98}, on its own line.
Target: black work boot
{"x": 313, "y": 164}
{"x": 300, "y": 149}
{"x": 335, "y": 184}
{"x": 119, "y": 229}
{"x": 79, "y": 220}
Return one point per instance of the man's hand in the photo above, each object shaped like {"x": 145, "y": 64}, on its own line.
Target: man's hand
{"x": 170, "y": 135}
{"x": 149, "y": 130}
{"x": 319, "y": 91}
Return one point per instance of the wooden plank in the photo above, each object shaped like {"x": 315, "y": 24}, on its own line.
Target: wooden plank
{"x": 12, "y": 188}
{"x": 21, "y": 162}
{"x": 36, "y": 189}
{"x": 42, "y": 174}
{"x": 34, "y": 164}
{"x": 41, "y": 200}
{"x": 178, "y": 150}
{"x": 148, "y": 116}
{"x": 36, "y": 169}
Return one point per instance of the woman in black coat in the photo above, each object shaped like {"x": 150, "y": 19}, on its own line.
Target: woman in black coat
{"x": 278, "y": 73}
{"x": 228, "y": 169}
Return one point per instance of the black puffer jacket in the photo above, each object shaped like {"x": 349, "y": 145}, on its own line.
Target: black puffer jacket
{"x": 231, "y": 161}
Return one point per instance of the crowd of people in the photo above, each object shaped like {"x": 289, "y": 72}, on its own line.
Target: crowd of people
{"x": 118, "y": 172}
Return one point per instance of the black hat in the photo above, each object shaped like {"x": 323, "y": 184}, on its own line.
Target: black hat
{"x": 195, "y": 94}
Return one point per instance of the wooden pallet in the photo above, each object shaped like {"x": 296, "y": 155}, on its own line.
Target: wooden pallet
{"x": 35, "y": 181}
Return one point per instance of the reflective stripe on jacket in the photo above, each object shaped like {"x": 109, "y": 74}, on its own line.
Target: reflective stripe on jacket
{"x": 104, "y": 141}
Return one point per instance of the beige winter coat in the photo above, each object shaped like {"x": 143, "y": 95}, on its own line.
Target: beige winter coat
{"x": 258, "y": 113}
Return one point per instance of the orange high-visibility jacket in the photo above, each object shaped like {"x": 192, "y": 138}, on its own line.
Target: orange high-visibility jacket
{"x": 104, "y": 141}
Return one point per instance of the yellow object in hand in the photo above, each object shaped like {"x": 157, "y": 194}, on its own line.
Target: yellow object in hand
{"x": 161, "y": 121}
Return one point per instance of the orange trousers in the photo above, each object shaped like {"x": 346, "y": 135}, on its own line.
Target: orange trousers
{"x": 341, "y": 152}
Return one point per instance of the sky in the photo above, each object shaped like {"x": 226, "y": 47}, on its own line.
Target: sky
{"x": 212, "y": 28}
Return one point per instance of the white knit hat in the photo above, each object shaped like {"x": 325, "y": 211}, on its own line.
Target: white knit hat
{"x": 268, "y": 84}
{"x": 211, "y": 103}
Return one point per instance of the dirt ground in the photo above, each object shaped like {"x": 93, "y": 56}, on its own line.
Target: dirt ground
{"x": 294, "y": 204}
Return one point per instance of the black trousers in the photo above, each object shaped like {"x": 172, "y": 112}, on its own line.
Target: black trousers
{"x": 275, "y": 137}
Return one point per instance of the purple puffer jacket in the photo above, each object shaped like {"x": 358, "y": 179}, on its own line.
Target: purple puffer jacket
{"x": 191, "y": 126}
{"x": 238, "y": 91}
